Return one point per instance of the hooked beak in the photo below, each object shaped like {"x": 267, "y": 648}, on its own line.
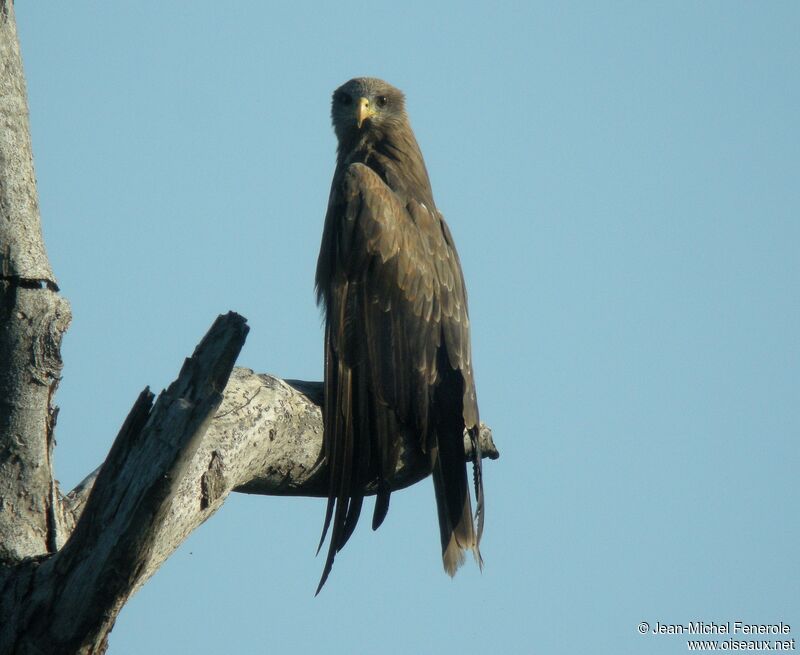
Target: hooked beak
{"x": 363, "y": 111}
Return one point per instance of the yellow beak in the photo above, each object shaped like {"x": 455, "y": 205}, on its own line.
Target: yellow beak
{"x": 363, "y": 111}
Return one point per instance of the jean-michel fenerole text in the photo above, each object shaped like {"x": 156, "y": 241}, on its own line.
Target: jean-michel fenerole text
{"x": 723, "y": 628}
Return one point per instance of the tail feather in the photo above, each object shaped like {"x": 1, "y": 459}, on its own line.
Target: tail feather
{"x": 381, "y": 504}
{"x": 456, "y": 526}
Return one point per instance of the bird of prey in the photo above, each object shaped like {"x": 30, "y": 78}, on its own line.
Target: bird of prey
{"x": 397, "y": 344}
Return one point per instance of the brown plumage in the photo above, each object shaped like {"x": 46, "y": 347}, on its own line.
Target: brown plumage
{"x": 397, "y": 346}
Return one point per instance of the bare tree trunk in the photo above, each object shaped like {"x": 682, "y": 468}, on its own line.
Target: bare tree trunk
{"x": 68, "y": 564}
{"x": 33, "y": 317}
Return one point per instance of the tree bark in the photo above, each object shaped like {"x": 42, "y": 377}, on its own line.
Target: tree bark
{"x": 69, "y": 563}
{"x": 32, "y": 320}
{"x": 68, "y": 602}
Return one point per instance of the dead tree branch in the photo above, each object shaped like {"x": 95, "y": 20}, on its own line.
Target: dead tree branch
{"x": 265, "y": 438}
{"x": 73, "y": 597}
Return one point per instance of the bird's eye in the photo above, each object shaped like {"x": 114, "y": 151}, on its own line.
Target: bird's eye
{"x": 381, "y": 101}
{"x": 345, "y": 99}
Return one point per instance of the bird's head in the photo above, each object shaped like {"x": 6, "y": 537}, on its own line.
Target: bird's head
{"x": 366, "y": 106}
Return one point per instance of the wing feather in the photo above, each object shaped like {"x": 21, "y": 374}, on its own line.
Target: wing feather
{"x": 396, "y": 313}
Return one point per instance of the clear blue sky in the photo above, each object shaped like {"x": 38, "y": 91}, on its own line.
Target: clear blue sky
{"x": 623, "y": 183}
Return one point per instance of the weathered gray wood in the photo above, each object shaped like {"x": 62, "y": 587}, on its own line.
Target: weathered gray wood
{"x": 74, "y": 597}
{"x": 266, "y": 438}
{"x": 32, "y": 322}
{"x": 22, "y": 251}
{"x": 33, "y": 319}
